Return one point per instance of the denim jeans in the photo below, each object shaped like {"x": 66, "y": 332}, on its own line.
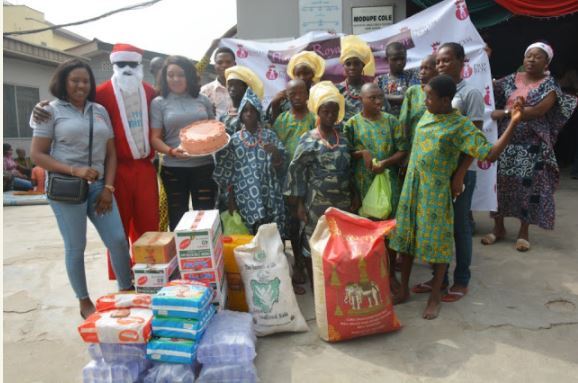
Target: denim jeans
{"x": 463, "y": 232}
{"x": 22, "y": 184}
{"x": 71, "y": 220}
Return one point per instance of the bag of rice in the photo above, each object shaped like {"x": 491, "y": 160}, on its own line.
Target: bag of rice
{"x": 265, "y": 272}
{"x": 351, "y": 276}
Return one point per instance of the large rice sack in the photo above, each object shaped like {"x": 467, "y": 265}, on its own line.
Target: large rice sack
{"x": 351, "y": 276}
{"x": 267, "y": 282}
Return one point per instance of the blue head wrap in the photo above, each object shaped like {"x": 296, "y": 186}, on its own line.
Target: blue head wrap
{"x": 251, "y": 97}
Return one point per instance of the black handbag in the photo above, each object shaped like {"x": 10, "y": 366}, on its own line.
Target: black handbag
{"x": 70, "y": 189}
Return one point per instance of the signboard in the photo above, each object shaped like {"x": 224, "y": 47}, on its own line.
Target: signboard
{"x": 367, "y": 19}
{"x": 320, "y": 15}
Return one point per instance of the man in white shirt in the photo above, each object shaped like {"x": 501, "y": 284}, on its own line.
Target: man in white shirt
{"x": 216, "y": 90}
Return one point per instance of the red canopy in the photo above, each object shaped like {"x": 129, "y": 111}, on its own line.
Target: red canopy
{"x": 540, "y": 7}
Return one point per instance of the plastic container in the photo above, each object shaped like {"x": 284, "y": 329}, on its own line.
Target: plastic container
{"x": 236, "y": 290}
{"x": 102, "y": 372}
{"x": 229, "y": 373}
{"x": 117, "y": 353}
{"x": 170, "y": 373}
{"x": 229, "y": 339}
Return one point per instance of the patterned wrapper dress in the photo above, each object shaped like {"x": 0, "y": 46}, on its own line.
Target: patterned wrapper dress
{"x": 425, "y": 217}
{"x": 382, "y": 138}
{"x": 412, "y": 108}
{"x": 248, "y": 168}
{"x": 320, "y": 175}
{"x": 528, "y": 173}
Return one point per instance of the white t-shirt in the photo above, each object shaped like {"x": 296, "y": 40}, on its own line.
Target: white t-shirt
{"x": 132, "y": 104}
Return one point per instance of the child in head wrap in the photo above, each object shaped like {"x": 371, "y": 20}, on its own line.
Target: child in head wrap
{"x": 249, "y": 169}
{"x": 320, "y": 173}
{"x": 238, "y": 79}
{"x": 307, "y": 66}
{"x": 358, "y": 64}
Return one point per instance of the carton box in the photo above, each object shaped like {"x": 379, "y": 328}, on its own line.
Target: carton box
{"x": 150, "y": 279}
{"x": 154, "y": 247}
{"x": 190, "y": 260}
{"x": 206, "y": 276}
{"x": 198, "y": 233}
{"x": 220, "y": 297}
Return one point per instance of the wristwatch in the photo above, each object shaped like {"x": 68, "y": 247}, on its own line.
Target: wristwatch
{"x": 110, "y": 187}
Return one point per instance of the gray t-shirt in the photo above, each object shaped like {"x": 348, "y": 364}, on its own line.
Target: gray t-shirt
{"x": 470, "y": 102}
{"x": 174, "y": 112}
{"x": 69, "y": 130}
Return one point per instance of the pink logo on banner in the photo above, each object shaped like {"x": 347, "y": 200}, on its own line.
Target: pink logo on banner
{"x": 435, "y": 46}
{"x": 242, "y": 52}
{"x": 484, "y": 165}
{"x": 487, "y": 98}
{"x": 272, "y": 74}
{"x": 461, "y": 10}
{"x": 467, "y": 70}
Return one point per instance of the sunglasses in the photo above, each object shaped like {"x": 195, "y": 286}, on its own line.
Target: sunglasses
{"x": 122, "y": 64}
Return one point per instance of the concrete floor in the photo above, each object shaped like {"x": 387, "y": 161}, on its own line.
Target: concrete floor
{"x": 519, "y": 323}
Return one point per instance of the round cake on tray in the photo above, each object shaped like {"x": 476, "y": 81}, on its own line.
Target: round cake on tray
{"x": 203, "y": 137}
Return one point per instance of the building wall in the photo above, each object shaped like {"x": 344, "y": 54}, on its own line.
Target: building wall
{"x": 255, "y": 20}
{"x": 22, "y": 18}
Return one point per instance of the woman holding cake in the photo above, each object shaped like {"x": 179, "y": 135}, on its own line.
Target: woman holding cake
{"x": 178, "y": 106}
{"x": 250, "y": 169}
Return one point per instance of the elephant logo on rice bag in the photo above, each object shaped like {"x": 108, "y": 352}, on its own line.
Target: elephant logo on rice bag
{"x": 265, "y": 294}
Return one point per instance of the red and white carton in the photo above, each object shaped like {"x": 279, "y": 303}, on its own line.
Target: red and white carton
{"x": 117, "y": 326}
{"x": 149, "y": 279}
{"x": 198, "y": 233}
{"x": 189, "y": 261}
{"x": 214, "y": 275}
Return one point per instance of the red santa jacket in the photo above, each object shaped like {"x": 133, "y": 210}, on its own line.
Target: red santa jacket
{"x": 106, "y": 97}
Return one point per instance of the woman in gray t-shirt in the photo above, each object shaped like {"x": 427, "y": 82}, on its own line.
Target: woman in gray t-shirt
{"x": 61, "y": 145}
{"x": 179, "y": 105}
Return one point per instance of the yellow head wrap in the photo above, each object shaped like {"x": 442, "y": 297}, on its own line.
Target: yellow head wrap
{"x": 353, "y": 46}
{"x": 312, "y": 60}
{"x": 246, "y": 75}
{"x": 322, "y": 93}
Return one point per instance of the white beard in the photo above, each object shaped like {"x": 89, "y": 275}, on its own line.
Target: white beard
{"x": 128, "y": 79}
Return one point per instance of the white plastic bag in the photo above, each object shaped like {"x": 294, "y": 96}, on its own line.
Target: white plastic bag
{"x": 265, "y": 272}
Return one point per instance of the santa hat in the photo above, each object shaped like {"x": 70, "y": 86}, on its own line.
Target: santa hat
{"x": 125, "y": 52}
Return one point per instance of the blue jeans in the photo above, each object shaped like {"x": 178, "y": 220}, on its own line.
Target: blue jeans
{"x": 22, "y": 184}
{"x": 463, "y": 232}
{"x": 72, "y": 224}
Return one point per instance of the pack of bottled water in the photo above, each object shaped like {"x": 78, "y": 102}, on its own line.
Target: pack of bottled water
{"x": 228, "y": 373}
{"x": 170, "y": 373}
{"x": 99, "y": 371}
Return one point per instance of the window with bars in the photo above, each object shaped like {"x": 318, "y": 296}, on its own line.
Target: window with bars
{"x": 18, "y": 104}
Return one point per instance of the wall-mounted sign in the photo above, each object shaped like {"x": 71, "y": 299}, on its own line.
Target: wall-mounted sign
{"x": 367, "y": 19}
{"x": 320, "y": 15}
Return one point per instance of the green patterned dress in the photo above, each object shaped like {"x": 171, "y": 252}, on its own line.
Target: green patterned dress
{"x": 425, "y": 217}
{"x": 289, "y": 129}
{"x": 320, "y": 175}
{"x": 382, "y": 138}
{"x": 412, "y": 108}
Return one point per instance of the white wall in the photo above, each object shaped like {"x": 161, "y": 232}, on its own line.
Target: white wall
{"x": 275, "y": 19}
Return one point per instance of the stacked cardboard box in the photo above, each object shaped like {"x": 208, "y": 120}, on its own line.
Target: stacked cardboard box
{"x": 155, "y": 261}
{"x": 199, "y": 241}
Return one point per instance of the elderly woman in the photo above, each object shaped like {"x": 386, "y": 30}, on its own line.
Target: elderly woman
{"x": 358, "y": 64}
{"x": 527, "y": 170}
{"x": 61, "y": 145}
{"x": 307, "y": 66}
{"x": 179, "y": 105}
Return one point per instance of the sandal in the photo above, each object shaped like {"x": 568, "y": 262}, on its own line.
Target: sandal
{"x": 522, "y": 245}
{"x": 490, "y": 239}
{"x": 454, "y": 296}
{"x": 424, "y": 287}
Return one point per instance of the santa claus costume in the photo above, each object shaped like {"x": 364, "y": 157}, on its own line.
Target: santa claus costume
{"x": 127, "y": 99}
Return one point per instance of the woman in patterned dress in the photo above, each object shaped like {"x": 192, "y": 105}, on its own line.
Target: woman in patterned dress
{"x": 249, "y": 169}
{"x": 425, "y": 212}
{"x": 528, "y": 172}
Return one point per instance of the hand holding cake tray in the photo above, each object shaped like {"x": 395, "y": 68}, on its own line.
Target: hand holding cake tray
{"x": 203, "y": 138}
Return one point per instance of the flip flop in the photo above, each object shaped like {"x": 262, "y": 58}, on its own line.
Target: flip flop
{"x": 453, "y": 296}
{"x": 490, "y": 239}
{"x": 424, "y": 287}
{"x": 522, "y": 245}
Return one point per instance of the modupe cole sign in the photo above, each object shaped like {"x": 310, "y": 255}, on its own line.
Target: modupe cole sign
{"x": 366, "y": 19}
